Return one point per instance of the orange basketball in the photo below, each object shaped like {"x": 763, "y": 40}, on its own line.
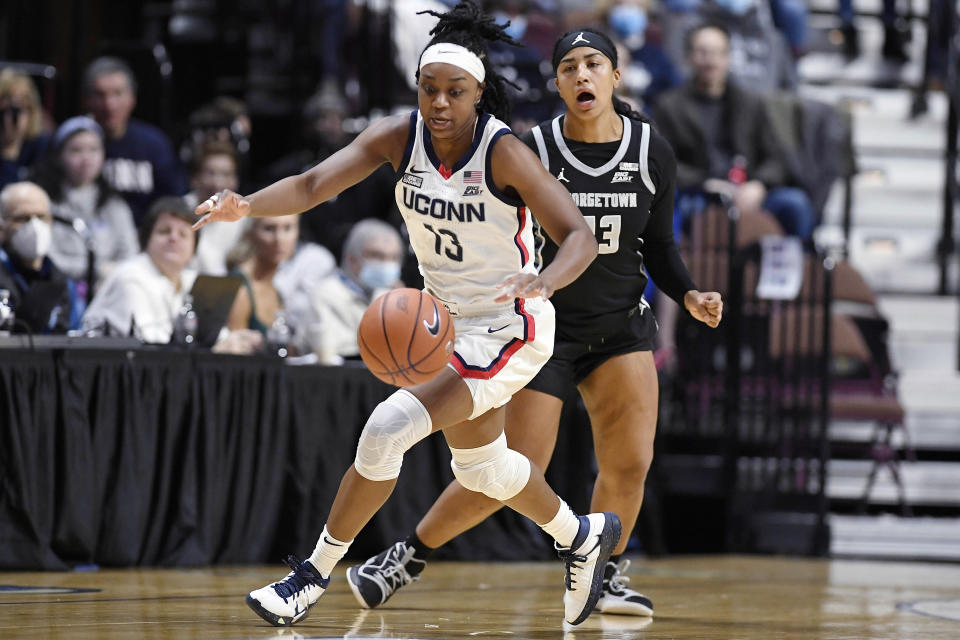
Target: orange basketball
{"x": 405, "y": 337}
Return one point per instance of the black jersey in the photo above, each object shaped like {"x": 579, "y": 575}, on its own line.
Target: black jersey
{"x": 625, "y": 190}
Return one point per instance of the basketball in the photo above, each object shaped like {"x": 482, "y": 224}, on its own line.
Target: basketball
{"x": 405, "y": 337}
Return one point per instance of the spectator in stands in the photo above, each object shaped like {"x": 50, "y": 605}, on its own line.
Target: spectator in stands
{"x": 22, "y": 136}
{"x": 88, "y": 214}
{"x": 42, "y": 297}
{"x": 224, "y": 120}
{"x": 531, "y": 93}
{"x": 268, "y": 243}
{"x": 759, "y": 56}
{"x": 646, "y": 70}
{"x": 371, "y": 260}
{"x": 215, "y": 168}
{"x": 324, "y": 133}
{"x": 140, "y": 161}
{"x": 722, "y": 139}
{"x": 143, "y": 295}
{"x": 893, "y": 36}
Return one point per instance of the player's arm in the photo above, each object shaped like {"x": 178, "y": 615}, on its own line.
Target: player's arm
{"x": 660, "y": 253}
{"x": 381, "y": 142}
{"x": 515, "y": 166}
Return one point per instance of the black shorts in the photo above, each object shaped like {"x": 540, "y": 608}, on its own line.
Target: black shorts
{"x": 573, "y": 361}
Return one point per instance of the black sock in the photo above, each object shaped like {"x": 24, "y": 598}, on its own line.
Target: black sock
{"x": 615, "y": 559}
{"x": 420, "y": 551}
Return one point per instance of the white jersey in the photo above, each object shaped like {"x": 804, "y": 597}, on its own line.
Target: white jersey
{"x": 468, "y": 236}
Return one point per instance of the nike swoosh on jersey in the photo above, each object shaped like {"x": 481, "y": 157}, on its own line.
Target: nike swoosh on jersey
{"x": 415, "y": 170}
{"x": 433, "y": 327}
{"x": 492, "y": 330}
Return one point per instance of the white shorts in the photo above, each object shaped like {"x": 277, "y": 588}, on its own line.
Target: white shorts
{"x": 497, "y": 354}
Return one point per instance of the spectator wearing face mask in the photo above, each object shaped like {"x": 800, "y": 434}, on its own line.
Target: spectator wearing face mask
{"x": 41, "y": 296}
{"x": 650, "y": 70}
{"x": 370, "y": 265}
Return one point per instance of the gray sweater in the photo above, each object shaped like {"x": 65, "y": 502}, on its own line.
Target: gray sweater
{"x": 108, "y": 228}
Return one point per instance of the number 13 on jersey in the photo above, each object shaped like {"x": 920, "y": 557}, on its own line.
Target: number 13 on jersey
{"x": 609, "y": 237}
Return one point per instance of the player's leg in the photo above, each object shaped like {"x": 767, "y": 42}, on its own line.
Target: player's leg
{"x": 531, "y": 427}
{"x": 621, "y": 398}
{"x": 584, "y": 543}
{"x": 533, "y": 416}
{"x": 395, "y": 425}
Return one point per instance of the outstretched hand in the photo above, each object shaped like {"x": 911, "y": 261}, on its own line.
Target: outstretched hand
{"x": 523, "y": 285}
{"x": 225, "y": 206}
{"x": 707, "y": 307}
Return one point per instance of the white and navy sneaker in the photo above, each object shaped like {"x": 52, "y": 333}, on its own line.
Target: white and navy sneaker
{"x": 374, "y": 581}
{"x": 286, "y": 602}
{"x": 585, "y": 562}
{"x": 617, "y": 597}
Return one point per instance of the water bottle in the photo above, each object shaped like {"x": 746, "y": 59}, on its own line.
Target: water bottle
{"x": 6, "y": 312}
{"x": 278, "y": 335}
{"x": 185, "y": 326}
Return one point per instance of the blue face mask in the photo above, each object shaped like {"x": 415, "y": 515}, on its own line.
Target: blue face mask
{"x": 628, "y": 20}
{"x": 737, "y": 7}
{"x": 518, "y": 24}
{"x": 379, "y": 274}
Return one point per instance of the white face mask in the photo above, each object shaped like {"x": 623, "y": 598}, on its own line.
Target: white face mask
{"x": 32, "y": 240}
{"x": 379, "y": 274}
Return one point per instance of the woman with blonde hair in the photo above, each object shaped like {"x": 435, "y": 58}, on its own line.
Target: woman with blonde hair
{"x": 266, "y": 244}
{"x": 23, "y": 134}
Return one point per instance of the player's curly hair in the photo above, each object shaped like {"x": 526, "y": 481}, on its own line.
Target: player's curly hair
{"x": 468, "y": 26}
{"x": 620, "y": 106}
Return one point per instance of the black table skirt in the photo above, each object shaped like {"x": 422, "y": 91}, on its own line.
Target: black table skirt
{"x": 143, "y": 457}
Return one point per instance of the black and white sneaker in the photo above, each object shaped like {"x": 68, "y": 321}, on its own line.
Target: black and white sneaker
{"x": 617, "y": 597}
{"x": 288, "y": 601}
{"x": 585, "y": 562}
{"x": 374, "y": 581}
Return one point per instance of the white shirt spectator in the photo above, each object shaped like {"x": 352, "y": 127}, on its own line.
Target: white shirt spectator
{"x": 337, "y": 305}
{"x": 296, "y": 279}
{"x": 137, "y": 293}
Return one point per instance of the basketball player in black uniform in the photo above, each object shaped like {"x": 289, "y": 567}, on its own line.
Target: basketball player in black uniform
{"x": 621, "y": 174}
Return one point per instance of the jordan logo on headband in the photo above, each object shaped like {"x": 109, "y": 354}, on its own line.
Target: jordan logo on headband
{"x": 580, "y": 38}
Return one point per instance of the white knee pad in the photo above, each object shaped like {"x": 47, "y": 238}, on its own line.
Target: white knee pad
{"x": 493, "y": 469}
{"x": 398, "y": 423}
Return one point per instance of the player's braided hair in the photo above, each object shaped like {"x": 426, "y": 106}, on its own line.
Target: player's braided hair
{"x": 620, "y": 106}
{"x": 468, "y": 26}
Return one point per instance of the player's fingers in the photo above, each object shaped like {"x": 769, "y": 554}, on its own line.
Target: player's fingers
{"x": 202, "y": 222}
{"x": 531, "y": 288}
{"x": 207, "y": 205}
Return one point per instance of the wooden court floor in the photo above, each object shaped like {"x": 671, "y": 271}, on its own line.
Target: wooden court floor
{"x": 716, "y": 597}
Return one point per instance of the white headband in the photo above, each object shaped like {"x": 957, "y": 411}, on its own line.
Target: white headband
{"x": 456, "y": 55}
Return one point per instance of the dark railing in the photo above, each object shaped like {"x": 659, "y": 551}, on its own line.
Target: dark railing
{"x": 747, "y": 415}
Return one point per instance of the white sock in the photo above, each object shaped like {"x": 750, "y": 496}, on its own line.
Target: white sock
{"x": 564, "y": 526}
{"x": 328, "y": 552}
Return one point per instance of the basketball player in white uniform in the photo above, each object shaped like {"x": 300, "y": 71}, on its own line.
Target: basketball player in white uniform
{"x": 621, "y": 172}
{"x": 462, "y": 185}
